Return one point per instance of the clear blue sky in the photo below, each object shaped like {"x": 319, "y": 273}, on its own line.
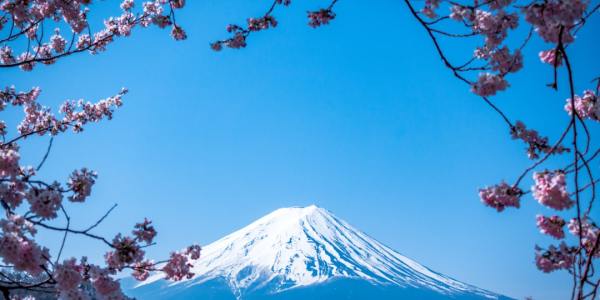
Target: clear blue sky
{"x": 359, "y": 117}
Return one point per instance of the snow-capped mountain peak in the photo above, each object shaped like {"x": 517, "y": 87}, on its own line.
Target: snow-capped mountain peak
{"x": 303, "y": 246}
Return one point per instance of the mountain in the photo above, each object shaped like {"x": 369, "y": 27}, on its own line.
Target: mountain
{"x": 300, "y": 252}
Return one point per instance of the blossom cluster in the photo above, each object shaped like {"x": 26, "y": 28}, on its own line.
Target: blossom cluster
{"x": 239, "y": 33}
{"x": 550, "y": 189}
{"x": 320, "y": 17}
{"x": 179, "y": 267}
{"x": 536, "y": 143}
{"x": 489, "y": 84}
{"x": 29, "y": 16}
{"x": 555, "y": 19}
{"x": 552, "y": 226}
{"x": 430, "y": 7}
{"x": 589, "y": 234}
{"x": 551, "y": 57}
{"x": 501, "y": 196}
{"x": 586, "y": 106}
{"x": 40, "y": 120}
{"x": 43, "y": 202}
{"x": 555, "y": 258}
{"x": 18, "y": 247}
{"x": 81, "y": 182}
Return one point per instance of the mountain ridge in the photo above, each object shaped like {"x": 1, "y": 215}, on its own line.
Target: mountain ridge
{"x": 298, "y": 248}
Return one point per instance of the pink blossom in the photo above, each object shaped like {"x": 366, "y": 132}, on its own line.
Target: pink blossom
{"x": 320, "y": 17}
{"x": 237, "y": 41}
{"x": 261, "y": 23}
{"x": 38, "y": 119}
{"x": 6, "y": 55}
{"x": 74, "y": 294}
{"x": 489, "y": 84}
{"x": 430, "y": 7}
{"x": 178, "y": 4}
{"x": 216, "y": 46}
{"x": 586, "y": 106}
{"x": 536, "y": 143}
{"x": 550, "y": 189}
{"x": 141, "y": 270}
{"x": 501, "y": 196}
{"x": 494, "y": 26}
{"x": 68, "y": 275}
{"x": 13, "y": 193}
{"x": 555, "y": 258}
{"x": 551, "y": 57}
{"x": 461, "y": 13}
{"x": 144, "y": 231}
{"x": 499, "y": 4}
{"x": 80, "y": 113}
{"x": 126, "y": 252}
{"x": 178, "y": 33}
{"x": 81, "y": 182}
{"x": 550, "y": 16}
{"x": 9, "y": 161}
{"x": 17, "y": 224}
{"x": 504, "y": 62}
{"x": 45, "y": 202}
{"x": 552, "y": 226}
{"x": 44, "y": 53}
{"x": 193, "y": 251}
{"x": 590, "y": 235}
{"x": 83, "y": 41}
{"x": 127, "y": 4}
{"x": 28, "y": 61}
{"x": 24, "y": 254}
{"x": 178, "y": 267}
{"x": 104, "y": 284}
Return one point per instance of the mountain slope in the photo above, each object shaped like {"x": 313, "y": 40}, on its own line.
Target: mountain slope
{"x": 300, "y": 252}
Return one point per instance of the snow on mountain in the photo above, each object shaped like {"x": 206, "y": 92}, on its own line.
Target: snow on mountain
{"x": 303, "y": 246}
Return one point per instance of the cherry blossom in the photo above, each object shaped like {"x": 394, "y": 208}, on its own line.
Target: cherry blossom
{"x": 550, "y": 189}
{"x": 25, "y": 46}
{"x": 430, "y": 7}
{"x": 9, "y": 161}
{"x": 178, "y": 267}
{"x": 555, "y": 258}
{"x": 144, "y": 231}
{"x": 461, "y": 13}
{"x": 81, "y": 182}
{"x": 178, "y": 33}
{"x": 590, "y": 236}
{"x": 501, "y": 196}
{"x": 552, "y": 226}
{"x": 141, "y": 270}
{"x": 127, "y": 4}
{"x": 261, "y": 23}
{"x": 551, "y": 57}
{"x": 494, "y": 26}
{"x": 126, "y": 252}
{"x": 320, "y": 17}
{"x": 22, "y": 253}
{"x": 554, "y": 18}
{"x": 504, "y": 62}
{"x": 106, "y": 286}
{"x": 586, "y": 106}
{"x": 489, "y": 84}
{"x": 536, "y": 143}
{"x": 46, "y": 201}
{"x": 193, "y": 251}
{"x": 68, "y": 275}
